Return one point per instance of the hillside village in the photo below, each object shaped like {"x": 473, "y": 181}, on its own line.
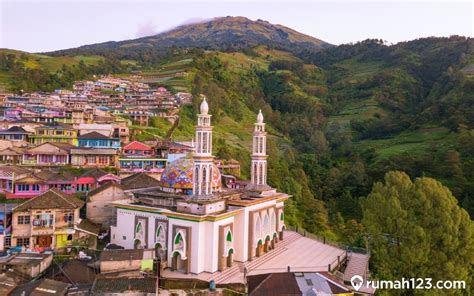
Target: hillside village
{"x": 76, "y": 185}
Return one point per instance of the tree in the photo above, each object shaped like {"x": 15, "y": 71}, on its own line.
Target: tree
{"x": 417, "y": 229}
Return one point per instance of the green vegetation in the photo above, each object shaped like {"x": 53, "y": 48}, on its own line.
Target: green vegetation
{"x": 20, "y": 71}
{"x": 417, "y": 230}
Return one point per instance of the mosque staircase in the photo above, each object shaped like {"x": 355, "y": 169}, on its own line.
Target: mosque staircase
{"x": 237, "y": 269}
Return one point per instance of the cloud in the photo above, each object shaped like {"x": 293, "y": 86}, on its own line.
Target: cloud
{"x": 146, "y": 29}
{"x": 195, "y": 20}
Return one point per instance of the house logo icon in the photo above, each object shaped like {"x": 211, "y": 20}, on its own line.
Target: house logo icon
{"x": 356, "y": 282}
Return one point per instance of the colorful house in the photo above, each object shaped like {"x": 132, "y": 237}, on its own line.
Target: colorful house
{"x": 17, "y": 182}
{"x": 139, "y": 157}
{"x": 12, "y": 155}
{"x": 8, "y": 174}
{"x": 48, "y": 154}
{"x": 14, "y": 133}
{"x": 46, "y": 221}
{"x": 98, "y": 140}
{"x": 94, "y": 157}
{"x": 54, "y": 133}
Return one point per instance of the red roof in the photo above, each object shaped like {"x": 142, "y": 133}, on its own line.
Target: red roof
{"x": 135, "y": 145}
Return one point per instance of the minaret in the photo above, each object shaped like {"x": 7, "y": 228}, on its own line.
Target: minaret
{"x": 203, "y": 159}
{"x": 259, "y": 153}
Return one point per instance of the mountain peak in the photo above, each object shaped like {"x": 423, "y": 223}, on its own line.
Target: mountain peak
{"x": 221, "y": 33}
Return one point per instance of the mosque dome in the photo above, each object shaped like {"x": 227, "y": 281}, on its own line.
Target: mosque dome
{"x": 179, "y": 175}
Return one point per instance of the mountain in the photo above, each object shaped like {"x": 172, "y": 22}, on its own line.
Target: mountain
{"x": 224, "y": 33}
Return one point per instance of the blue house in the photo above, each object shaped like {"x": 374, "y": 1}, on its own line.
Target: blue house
{"x": 98, "y": 140}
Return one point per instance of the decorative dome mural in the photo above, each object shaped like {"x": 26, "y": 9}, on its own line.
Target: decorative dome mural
{"x": 179, "y": 175}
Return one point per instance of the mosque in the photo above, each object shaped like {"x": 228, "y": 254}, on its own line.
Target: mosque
{"x": 193, "y": 222}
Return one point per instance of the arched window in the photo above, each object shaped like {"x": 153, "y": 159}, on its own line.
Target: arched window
{"x": 204, "y": 142}
{"x": 199, "y": 146}
{"x": 178, "y": 238}
{"x": 196, "y": 178}
{"x": 204, "y": 180}
{"x": 159, "y": 230}
{"x": 266, "y": 224}
{"x": 138, "y": 228}
{"x": 257, "y": 229}
{"x": 254, "y": 175}
{"x": 273, "y": 221}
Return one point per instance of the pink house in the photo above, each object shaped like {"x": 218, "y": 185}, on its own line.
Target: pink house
{"x": 32, "y": 184}
{"x": 48, "y": 154}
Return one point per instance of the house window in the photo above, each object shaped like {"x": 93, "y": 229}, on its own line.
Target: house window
{"x": 23, "y": 219}
{"x": 69, "y": 217}
{"x": 8, "y": 241}
{"x": 35, "y": 187}
{"x": 43, "y": 220}
{"x": 124, "y": 237}
{"x": 103, "y": 159}
{"x": 23, "y": 187}
{"x": 69, "y": 237}
{"x": 22, "y": 242}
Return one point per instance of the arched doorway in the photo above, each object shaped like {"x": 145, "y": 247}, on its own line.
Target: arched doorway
{"x": 274, "y": 240}
{"x": 282, "y": 231}
{"x": 230, "y": 258}
{"x": 259, "y": 248}
{"x": 178, "y": 263}
{"x": 266, "y": 246}
{"x": 137, "y": 244}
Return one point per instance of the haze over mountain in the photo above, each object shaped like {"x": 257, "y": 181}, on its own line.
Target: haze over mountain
{"x": 223, "y": 33}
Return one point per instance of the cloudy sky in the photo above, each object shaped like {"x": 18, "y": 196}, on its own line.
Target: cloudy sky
{"x": 38, "y": 25}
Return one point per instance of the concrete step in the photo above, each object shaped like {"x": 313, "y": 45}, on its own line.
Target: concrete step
{"x": 228, "y": 273}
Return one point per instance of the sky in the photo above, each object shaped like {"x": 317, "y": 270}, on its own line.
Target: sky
{"x": 38, "y": 26}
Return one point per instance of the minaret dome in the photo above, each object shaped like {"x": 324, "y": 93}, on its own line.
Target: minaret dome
{"x": 260, "y": 117}
{"x": 204, "y": 106}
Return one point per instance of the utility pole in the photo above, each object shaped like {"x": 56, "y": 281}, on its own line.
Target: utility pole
{"x": 158, "y": 269}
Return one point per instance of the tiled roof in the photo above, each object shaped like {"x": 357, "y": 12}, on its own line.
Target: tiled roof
{"x": 120, "y": 285}
{"x": 49, "y": 175}
{"x": 78, "y": 272}
{"x": 47, "y": 287}
{"x": 273, "y": 284}
{"x": 139, "y": 180}
{"x": 94, "y": 173}
{"x": 88, "y": 226}
{"x": 103, "y": 187}
{"x": 14, "y": 130}
{"x": 51, "y": 199}
{"x": 64, "y": 146}
{"x": 8, "y": 170}
{"x": 135, "y": 145}
{"x": 13, "y": 151}
{"x": 119, "y": 255}
{"x": 94, "y": 151}
{"x": 93, "y": 135}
